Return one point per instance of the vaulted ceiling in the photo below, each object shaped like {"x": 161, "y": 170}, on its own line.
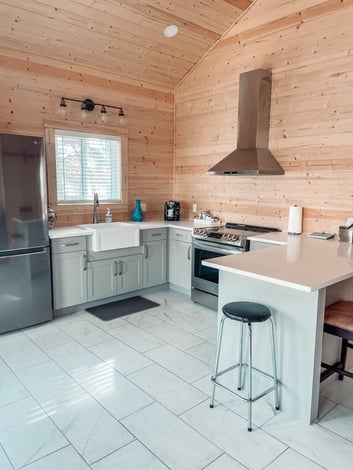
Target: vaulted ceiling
{"x": 116, "y": 38}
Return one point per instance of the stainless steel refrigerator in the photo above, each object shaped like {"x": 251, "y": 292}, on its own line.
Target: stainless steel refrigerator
{"x": 25, "y": 276}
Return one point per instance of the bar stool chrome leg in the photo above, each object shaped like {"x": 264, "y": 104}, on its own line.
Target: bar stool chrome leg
{"x": 240, "y": 378}
{"x": 274, "y": 362}
{"x": 250, "y": 380}
{"x": 219, "y": 343}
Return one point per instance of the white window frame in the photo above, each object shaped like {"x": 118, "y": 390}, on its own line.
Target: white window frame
{"x": 89, "y": 129}
{"x": 81, "y": 137}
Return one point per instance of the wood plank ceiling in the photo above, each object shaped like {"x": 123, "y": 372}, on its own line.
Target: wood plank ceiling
{"x": 116, "y": 38}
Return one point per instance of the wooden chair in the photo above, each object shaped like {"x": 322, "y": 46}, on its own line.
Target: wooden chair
{"x": 339, "y": 322}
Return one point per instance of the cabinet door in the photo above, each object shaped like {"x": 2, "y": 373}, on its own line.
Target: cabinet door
{"x": 102, "y": 279}
{"x": 180, "y": 264}
{"x": 154, "y": 263}
{"x": 69, "y": 279}
{"x": 129, "y": 273}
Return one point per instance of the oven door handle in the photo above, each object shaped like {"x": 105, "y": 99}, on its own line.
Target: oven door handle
{"x": 215, "y": 249}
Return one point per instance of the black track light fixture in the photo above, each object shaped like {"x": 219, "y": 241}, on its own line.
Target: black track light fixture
{"x": 88, "y": 105}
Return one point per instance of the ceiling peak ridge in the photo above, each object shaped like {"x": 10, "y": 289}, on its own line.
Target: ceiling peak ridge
{"x": 245, "y": 12}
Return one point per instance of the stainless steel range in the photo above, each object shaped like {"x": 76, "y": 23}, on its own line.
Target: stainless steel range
{"x": 212, "y": 242}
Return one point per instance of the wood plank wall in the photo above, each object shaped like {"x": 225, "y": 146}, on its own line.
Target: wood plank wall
{"x": 30, "y": 94}
{"x": 308, "y": 47}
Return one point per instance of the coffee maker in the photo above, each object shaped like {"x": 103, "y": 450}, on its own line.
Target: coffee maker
{"x": 172, "y": 210}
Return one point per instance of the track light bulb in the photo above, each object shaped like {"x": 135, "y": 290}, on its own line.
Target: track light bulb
{"x": 104, "y": 114}
{"x": 83, "y": 111}
{"x": 63, "y": 106}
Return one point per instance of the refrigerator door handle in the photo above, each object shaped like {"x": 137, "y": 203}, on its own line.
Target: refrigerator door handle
{"x": 37, "y": 252}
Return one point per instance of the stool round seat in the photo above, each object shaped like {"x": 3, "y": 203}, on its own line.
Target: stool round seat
{"x": 246, "y": 312}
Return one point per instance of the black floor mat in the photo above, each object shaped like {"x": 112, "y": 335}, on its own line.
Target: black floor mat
{"x": 121, "y": 308}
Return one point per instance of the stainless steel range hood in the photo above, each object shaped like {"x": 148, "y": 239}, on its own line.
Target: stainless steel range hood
{"x": 252, "y": 156}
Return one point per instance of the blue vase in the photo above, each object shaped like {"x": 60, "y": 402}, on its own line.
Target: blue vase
{"x": 137, "y": 214}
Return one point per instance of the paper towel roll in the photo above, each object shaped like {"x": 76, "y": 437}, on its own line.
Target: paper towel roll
{"x": 295, "y": 220}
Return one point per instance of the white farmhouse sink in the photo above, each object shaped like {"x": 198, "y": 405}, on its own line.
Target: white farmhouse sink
{"x": 113, "y": 236}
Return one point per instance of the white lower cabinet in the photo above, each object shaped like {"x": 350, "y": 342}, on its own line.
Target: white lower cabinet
{"x": 69, "y": 273}
{"x": 179, "y": 272}
{"x": 129, "y": 275}
{"x": 110, "y": 277}
{"x": 80, "y": 277}
{"x": 154, "y": 257}
{"x": 101, "y": 279}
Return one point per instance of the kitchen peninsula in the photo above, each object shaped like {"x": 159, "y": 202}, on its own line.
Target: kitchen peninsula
{"x": 296, "y": 277}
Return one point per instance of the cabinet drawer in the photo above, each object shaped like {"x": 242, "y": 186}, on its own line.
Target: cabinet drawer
{"x": 68, "y": 244}
{"x": 153, "y": 234}
{"x": 180, "y": 235}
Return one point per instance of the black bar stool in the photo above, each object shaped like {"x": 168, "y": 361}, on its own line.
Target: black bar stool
{"x": 339, "y": 322}
{"x": 246, "y": 312}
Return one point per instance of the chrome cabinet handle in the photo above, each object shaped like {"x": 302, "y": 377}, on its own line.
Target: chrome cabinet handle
{"x": 145, "y": 251}
{"x": 84, "y": 262}
{"x": 189, "y": 252}
{"x": 70, "y": 244}
{"x": 120, "y": 267}
{"x": 115, "y": 268}
{"x": 155, "y": 234}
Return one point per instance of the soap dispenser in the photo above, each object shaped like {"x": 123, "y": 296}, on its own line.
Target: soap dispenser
{"x": 108, "y": 216}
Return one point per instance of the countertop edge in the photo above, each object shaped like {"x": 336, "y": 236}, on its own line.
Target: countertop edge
{"x": 75, "y": 231}
{"x": 260, "y": 277}
{"x": 304, "y": 263}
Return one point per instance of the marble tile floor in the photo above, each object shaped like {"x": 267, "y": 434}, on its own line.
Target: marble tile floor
{"x": 132, "y": 394}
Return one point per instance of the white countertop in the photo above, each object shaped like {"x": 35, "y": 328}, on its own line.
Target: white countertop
{"x": 76, "y": 231}
{"x": 186, "y": 224}
{"x": 301, "y": 263}
{"x": 62, "y": 232}
{"x": 277, "y": 238}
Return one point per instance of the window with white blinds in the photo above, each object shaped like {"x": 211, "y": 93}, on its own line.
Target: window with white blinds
{"x": 85, "y": 164}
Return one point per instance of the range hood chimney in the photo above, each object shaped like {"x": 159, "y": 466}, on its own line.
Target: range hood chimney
{"x": 252, "y": 156}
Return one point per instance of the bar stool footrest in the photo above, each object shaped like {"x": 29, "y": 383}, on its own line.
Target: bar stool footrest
{"x": 332, "y": 369}
{"x": 261, "y": 372}
{"x": 241, "y": 397}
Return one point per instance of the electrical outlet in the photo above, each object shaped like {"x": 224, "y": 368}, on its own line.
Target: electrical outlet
{"x": 194, "y": 207}
{"x": 143, "y": 206}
